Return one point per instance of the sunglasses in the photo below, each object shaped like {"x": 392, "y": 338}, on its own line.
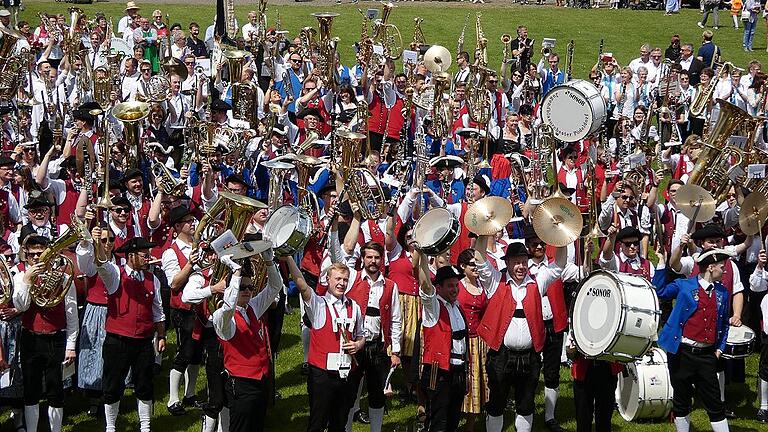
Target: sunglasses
{"x": 33, "y": 254}
{"x": 631, "y": 243}
{"x": 189, "y": 63}
{"x": 536, "y": 243}
{"x": 296, "y": 60}
{"x": 9, "y": 256}
{"x": 628, "y": 197}
{"x": 108, "y": 240}
{"x": 146, "y": 70}
{"x": 120, "y": 210}
{"x": 472, "y": 264}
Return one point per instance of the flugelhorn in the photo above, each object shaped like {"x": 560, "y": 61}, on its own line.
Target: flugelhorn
{"x": 169, "y": 184}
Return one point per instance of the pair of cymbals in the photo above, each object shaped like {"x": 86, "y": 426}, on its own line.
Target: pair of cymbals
{"x": 753, "y": 213}
{"x": 695, "y": 202}
{"x": 437, "y": 59}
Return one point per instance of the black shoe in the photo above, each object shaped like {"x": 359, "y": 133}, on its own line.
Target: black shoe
{"x": 278, "y": 395}
{"x": 762, "y": 416}
{"x": 361, "y": 417}
{"x": 189, "y": 401}
{"x": 177, "y": 409}
{"x": 95, "y": 411}
{"x": 305, "y": 365}
{"x": 729, "y": 414}
{"x": 553, "y": 426}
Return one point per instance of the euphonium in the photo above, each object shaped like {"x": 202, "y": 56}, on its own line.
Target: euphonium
{"x": 237, "y": 211}
{"x": 131, "y": 114}
{"x": 6, "y": 283}
{"x": 52, "y": 284}
{"x": 169, "y": 184}
{"x": 362, "y": 187}
{"x": 102, "y": 86}
{"x": 478, "y": 98}
{"x": 388, "y": 35}
{"x": 701, "y": 101}
{"x": 326, "y": 62}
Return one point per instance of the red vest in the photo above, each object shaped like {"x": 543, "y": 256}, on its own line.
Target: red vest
{"x": 129, "y": 309}
{"x": 324, "y": 340}
{"x": 45, "y": 320}
{"x": 582, "y": 201}
{"x": 360, "y": 292}
{"x": 497, "y": 103}
{"x": 668, "y": 220}
{"x": 581, "y": 366}
{"x": 6, "y": 224}
{"x": 473, "y": 307}
{"x": 66, "y": 208}
{"x": 401, "y": 272}
{"x": 377, "y": 120}
{"x": 313, "y": 254}
{"x": 143, "y": 214}
{"x": 556, "y": 296}
{"x": 247, "y": 354}
{"x": 438, "y": 341}
{"x": 97, "y": 291}
{"x": 163, "y": 237}
{"x": 499, "y": 314}
{"x": 644, "y": 270}
{"x": 176, "y": 302}
{"x": 702, "y": 325}
{"x": 129, "y": 234}
{"x": 682, "y": 167}
{"x": 463, "y": 242}
{"x": 202, "y": 311}
{"x": 727, "y": 280}
{"x": 395, "y": 120}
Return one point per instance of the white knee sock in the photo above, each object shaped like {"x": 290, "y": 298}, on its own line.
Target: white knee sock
{"x": 494, "y": 423}
{"x": 763, "y": 394}
{"x": 174, "y": 379}
{"x": 355, "y": 406}
{"x": 376, "y": 415}
{"x": 224, "y": 420}
{"x": 524, "y": 423}
{"x": 721, "y": 426}
{"x": 721, "y": 382}
{"x": 110, "y": 414}
{"x": 190, "y": 388}
{"x": 209, "y": 424}
{"x": 550, "y": 402}
{"x": 305, "y": 342}
{"x": 145, "y": 414}
{"x": 55, "y": 416}
{"x": 683, "y": 424}
{"x": 31, "y": 416}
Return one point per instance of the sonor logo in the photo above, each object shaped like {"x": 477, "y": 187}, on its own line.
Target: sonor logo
{"x": 599, "y": 292}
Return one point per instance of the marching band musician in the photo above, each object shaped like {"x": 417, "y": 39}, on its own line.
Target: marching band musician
{"x": 694, "y": 338}
{"x": 551, "y": 76}
{"x": 572, "y": 177}
{"x": 241, "y": 328}
{"x": 477, "y": 189}
{"x": 758, "y": 283}
{"x": 39, "y": 210}
{"x": 621, "y": 207}
{"x": 628, "y": 260}
{"x": 521, "y": 48}
{"x": 513, "y": 327}
{"x": 135, "y": 328}
{"x": 9, "y": 210}
{"x": 450, "y": 189}
{"x": 48, "y": 336}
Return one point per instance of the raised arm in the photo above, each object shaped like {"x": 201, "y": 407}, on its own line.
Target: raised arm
{"x": 298, "y": 278}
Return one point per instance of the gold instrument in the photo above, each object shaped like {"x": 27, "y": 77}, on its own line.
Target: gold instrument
{"x": 460, "y": 42}
{"x": 717, "y": 158}
{"x": 703, "y": 96}
{"x": 481, "y": 46}
{"x": 544, "y": 145}
{"x": 308, "y": 43}
{"x": 243, "y": 94}
{"x": 418, "y": 35}
{"x": 114, "y": 60}
{"x": 52, "y": 284}
{"x": 236, "y": 212}
{"x": 478, "y": 97}
{"x": 131, "y": 114}
{"x": 102, "y": 86}
{"x": 441, "y": 110}
{"x": 158, "y": 90}
{"x": 362, "y": 187}
{"x": 6, "y": 284}
{"x": 326, "y": 61}
{"x": 105, "y": 200}
{"x": 85, "y": 76}
{"x": 169, "y": 184}
{"x": 278, "y": 169}
{"x": 387, "y": 35}
{"x": 506, "y": 40}
{"x": 11, "y": 67}
{"x": 488, "y": 215}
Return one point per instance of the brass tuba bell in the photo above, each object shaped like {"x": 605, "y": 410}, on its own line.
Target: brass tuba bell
{"x": 362, "y": 187}
{"x": 131, "y": 115}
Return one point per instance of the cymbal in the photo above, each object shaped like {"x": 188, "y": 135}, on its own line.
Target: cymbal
{"x": 694, "y": 200}
{"x": 557, "y": 221}
{"x": 437, "y": 59}
{"x": 753, "y": 213}
{"x": 347, "y": 134}
{"x": 277, "y": 164}
{"x": 248, "y": 248}
{"x": 488, "y": 215}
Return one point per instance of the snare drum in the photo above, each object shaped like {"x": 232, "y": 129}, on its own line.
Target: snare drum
{"x": 288, "y": 228}
{"x": 740, "y": 342}
{"x": 615, "y": 316}
{"x": 644, "y": 389}
{"x": 574, "y": 110}
{"x": 436, "y": 231}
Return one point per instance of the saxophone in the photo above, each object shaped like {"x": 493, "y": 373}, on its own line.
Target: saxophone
{"x": 703, "y": 97}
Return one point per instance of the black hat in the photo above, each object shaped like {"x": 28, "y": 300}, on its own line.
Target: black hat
{"x": 83, "y": 115}
{"x": 310, "y": 111}
{"x": 279, "y": 129}
{"x": 220, "y": 105}
{"x": 121, "y": 201}
{"x": 236, "y": 178}
{"x": 628, "y": 232}
{"x": 89, "y": 106}
{"x": 529, "y": 232}
{"x": 709, "y": 231}
{"x": 483, "y": 181}
{"x": 37, "y": 202}
{"x": 447, "y": 161}
{"x": 6, "y": 109}
{"x": 447, "y": 272}
{"x": 131, "y": 173}
{"x": 516, "y": 249}
{"x": 115, "y": 184}
{"x": 713, "y": 256}
{"x": 135, "y": 244}
{"x": 565, "y": 190}
{"x": 177, "y": 214}
{"x": 330, "y": 186}
{"x": 5, "y": 161}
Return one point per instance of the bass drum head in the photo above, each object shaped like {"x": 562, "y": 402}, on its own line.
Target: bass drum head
{"x": 573, "y": 110}
{"x": 644, "y": 389}
{"x": 597, "y": 313}
{"x": 436, "y": 231}
{"x": 280, "y": 226}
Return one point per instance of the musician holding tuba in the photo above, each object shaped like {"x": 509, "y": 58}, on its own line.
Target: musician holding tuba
{"x": 48, "y": 337}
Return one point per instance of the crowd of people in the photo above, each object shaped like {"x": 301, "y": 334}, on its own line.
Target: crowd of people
{"x": 155, "y": 181}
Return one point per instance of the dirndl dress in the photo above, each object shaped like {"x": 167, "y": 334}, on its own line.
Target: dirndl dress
{"x": 473, "y": 307}
{"x": 90, "y": 363}
{"x": 10, "y": 332}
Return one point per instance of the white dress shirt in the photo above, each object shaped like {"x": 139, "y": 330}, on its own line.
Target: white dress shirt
{"x": 110, "y": 274}
{"x": 224, "y": 317}
{"x": 430, "y": 307}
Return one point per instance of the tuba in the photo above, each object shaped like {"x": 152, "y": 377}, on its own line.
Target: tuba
{"x": 52, "y": 284}
{"x": 326, "y": 62}
{"x": 362, "y": 187}
{"x": 11, "y": 67}
{"x": 131, "y": 114}
{"x": 243, "y": 94}
{"x": 102, "y": 86}
{"x": 169, "y": 184}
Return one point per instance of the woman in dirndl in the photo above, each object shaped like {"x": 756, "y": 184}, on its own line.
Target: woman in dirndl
{"x": 10, "y": 332}
{"x": 90, "y": 363}
{"x": 473, "y": 301}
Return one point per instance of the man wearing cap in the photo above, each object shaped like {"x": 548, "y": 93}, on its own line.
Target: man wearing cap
{"x": 694, "y": 338}
{"x": 48, "y": 337}
{"x": 5, "y": 19}
{"x": 240, "y": 325}
{"x": 131, "y": 11}
{"x": 178, "y": 263}
{"x": 311, "y": 120}
{"x": 444, "y": 356}
{"x": 450, "y": 189}
{"x": 135, "y": 329}
{"x": 39, "y": 214}
{"x": 119, "y": 215}
{"x": 514, "y": 329}
{"x": 10, "y": 214}
{"x": 628, "y": 260}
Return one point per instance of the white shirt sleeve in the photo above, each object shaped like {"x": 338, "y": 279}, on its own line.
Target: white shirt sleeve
{"x": 195, "y": 291}
{"x": 110, "y": 274}
{"x": 397, "y": 321}
{"x": 224, "y": 317}
{"x": 85, "y": 258}
{"x": 73, "y": 324}
{"x": 430, "y": 307}
{"x": 489, "y": 277}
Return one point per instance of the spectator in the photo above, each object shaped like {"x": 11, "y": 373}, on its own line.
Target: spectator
{"x": 710, "y": 7}
{"x": 708, "y": 53}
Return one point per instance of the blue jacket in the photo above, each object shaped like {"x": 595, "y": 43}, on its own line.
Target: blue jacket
{"x": 685, "y": 293}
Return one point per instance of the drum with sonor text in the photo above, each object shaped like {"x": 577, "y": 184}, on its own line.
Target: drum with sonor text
{"x": 574, "y": 110}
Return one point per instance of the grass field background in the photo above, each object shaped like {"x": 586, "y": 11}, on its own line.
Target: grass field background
{"x": 623, "y": 32}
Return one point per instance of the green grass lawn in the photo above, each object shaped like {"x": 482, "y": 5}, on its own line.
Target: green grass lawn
{"x": 623, "y": 31}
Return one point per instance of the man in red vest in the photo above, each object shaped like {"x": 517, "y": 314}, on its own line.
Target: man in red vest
{"x": 628, "y": 260}
{"x": 133, "y": 181}
{"x": 135, "y": 329}
{"x": 336, "y": 334}
{"x": 694, "y": 337}
{"x": 513, "y": 328}
{"x": 48, "y": 338}
{"x": 444, "y": 357}
{"x": 178, "y": 262}
{"x": 240, "y": 324}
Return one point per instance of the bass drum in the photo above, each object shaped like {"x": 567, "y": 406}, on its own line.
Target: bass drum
{"x": 436, "y": 231}
{"x": 120, "y": 45}
{"x": 288, "y": 229}
{"x": 615, "y": 316}
{"x": 644, "y": 389}
{"x": 574, "y": 110}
